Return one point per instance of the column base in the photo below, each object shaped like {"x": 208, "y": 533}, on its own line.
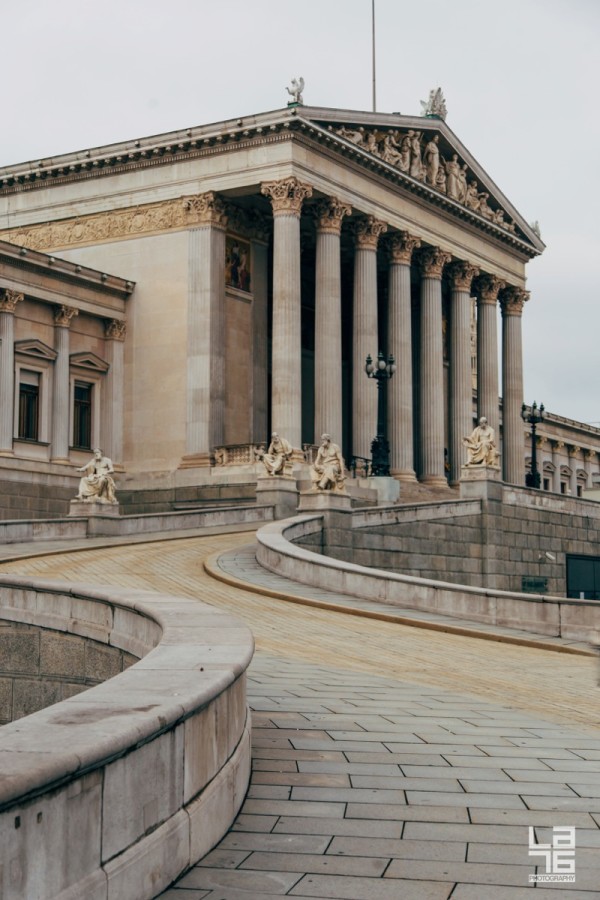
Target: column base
{"x": 7, "y": 453}
{"x": 408, "y": 476}
{"x": 195, "y": 461}
{"x": 434, "y": 481}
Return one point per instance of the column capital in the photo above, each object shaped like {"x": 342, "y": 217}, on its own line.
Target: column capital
{"x": 329, "y": 213}
{"x": 9, "y": 300}
{"x": 115, "y": 330}
{"x": 462, "y": 274}
{"x": 432, "y": 261}
{"x": 512, "y": 300}
{"x": 487, "y": 288}
{"x": 63, "y": 315}
{"x": 367, "y": 231}
{"x": 206, "y": 209}
{"x": 287, "y": 195}
{"x": 400, "y": 246}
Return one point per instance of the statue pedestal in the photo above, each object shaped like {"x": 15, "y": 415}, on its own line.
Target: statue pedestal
{"x": 388, "y": 489}
{"x": 279, "y": 491}
{"x": 324, "y": 501}
{"x": 89, "y": 509}
{"x": 478, "y": 482}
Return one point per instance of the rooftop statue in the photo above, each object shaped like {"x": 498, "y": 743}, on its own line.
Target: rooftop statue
{"x": 481, "y": 445}
{"x": 327, "y": 471}
{"x": 436, "y": 105}
{"x": 97, "y": 485}
{"x": 295, "y": 90}
{"x": 277, "y": 456}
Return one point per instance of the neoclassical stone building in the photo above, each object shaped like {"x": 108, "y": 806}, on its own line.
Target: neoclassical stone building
{"x": 270, "y": 255}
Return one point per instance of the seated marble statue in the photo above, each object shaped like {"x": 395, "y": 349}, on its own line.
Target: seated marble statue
{"x": 327, "y": 471}
{"x": 276, "y": 457}
{"x": 481, "y": 445}
{"x": 97, "y": 485}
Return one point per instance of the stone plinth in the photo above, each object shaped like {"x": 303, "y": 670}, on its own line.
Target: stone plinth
{"x": 91, "y": 508}
{"x": 323, "y": 501}
{"x": 388, "y": 489}
{"x": 476, "y": 481}
{"x": 280, "y": 492}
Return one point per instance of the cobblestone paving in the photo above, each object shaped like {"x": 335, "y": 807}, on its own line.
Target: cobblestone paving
{"x": 388, "y": 761}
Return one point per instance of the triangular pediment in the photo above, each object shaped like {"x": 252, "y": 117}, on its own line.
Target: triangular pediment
{"x": 89, "y": 361}
{"x": 37, "y": 349}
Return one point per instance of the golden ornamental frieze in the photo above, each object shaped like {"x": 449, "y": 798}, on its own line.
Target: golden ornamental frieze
{"x": 419, "y": 155}
{"x": 121, "y": 223}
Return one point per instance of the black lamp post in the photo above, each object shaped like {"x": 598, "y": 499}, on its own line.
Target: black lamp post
{"x": 382, "y": 371}
{"x": 533, "y": 416}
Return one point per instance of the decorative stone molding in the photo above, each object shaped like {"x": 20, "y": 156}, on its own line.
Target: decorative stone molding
{"x": 462, "y": 274}
{"x": 63, "y": 316}
{"x": 287, "y": 195}
{"x": 207, "y": 209}
{"x": 329, "y": 213}
{"x": 432, "y": 261}
{"x": 512, "y": 300}
{"x": 367, "y": 231}
{"x": 400, "y": 247}
{"x": 248, "y": 223}
{"x": 487, "y": 288}
{"x": 115, "y": 330}
{"x": 9, "y": 300}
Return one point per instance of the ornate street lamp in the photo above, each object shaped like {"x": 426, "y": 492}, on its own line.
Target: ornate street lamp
{"x": 382, "y": 371}
{"x": 533, "y": 416}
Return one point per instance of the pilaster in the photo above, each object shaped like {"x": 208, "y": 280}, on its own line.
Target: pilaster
{"x": 115, "y": 331}
{"x": 8, "y": 304}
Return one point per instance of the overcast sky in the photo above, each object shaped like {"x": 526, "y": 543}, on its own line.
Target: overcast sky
{"x": 520, "y": 77}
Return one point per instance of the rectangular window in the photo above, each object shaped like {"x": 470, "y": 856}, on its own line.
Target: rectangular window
{"x": 546, "y": 484}
{"x": 82, "y": 416}
{"x": 29, "y": 405}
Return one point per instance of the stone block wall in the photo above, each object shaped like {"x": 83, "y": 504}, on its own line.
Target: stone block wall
{"x": 33, "y": 500}
{"x": 157, "y": 500}
{"x": 39, "y": 667}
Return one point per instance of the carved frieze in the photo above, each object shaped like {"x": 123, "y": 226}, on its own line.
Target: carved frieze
{"x": 9, "y": 300}
{"x": 287, "y": 195}
{"x": 400, "y": 247}
{"x": 418, "y": 154}
{"x": 329, "y": 214}
{"x": 367, "y": 231}
{"x": 63, "y": 315}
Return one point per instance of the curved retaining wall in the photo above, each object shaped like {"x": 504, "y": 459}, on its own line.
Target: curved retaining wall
{"x": 576, "y": 620}
{"x": 113, "y": 793}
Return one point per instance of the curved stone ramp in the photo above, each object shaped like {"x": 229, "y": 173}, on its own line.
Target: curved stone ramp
{"x": 115, "y": 791}
{"x": 389, "y": 761}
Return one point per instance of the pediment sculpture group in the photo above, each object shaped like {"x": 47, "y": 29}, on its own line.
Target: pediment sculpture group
{"x": 419, "y": 156}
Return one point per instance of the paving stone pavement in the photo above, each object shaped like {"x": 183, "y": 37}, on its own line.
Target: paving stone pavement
{"x": 388, "y": 762}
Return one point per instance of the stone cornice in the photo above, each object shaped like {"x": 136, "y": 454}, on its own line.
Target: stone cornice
{"x": 367, "y": 231}
{"x": 328, "y": 215}
{"x": 462, "y": 274}
{"x": 432, "y": 261}
{"x": 63, "y": 316}
{"x": 512, "y": 300}
{"x": 9, "y": 300}
{"x": 286, "y": 195}
{"x": 400, "y": 247}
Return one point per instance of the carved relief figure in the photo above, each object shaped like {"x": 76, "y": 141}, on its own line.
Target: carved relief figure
{"x": 327, "y": 471}
{"x": 481, "y": 445}
{"x": 431, "y": 159}
{"x": 277, "y": 455}
{"x": 97, "y": 485}
{"x": 416, "y": 164}
{"x": 462, "y": 183}
{"x": 405, "y": 153}
{"x": 472, "y": 195}
{"x": 484, "y": 208}
{"x": 295, "y": 90}
{"x": 452, "y": 178}
{"x": 391, "y": 153}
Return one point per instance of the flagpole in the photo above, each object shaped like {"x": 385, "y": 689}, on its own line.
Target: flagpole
{"x": 373, "y": 53}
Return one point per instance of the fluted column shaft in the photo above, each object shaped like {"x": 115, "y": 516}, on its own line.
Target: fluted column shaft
{"x": 365, "y": 338}
{"x": 400, "y": 388}
{"x": 112, "y": 407}
{"x": 487, "y": 351}
{"x": 206, "y": 325}
{"x": 61, "y": 392}
{"x": 431, "y": 430}
{"x": 328, "y": 320}
{"x": 512, "y": 300}
{"x": 461, "y": 392}
{"x": 286, "y": 365}
{"x": 556, "y": 459}
{"x": 8, "y": 304}
{"x": 260, "y": 352}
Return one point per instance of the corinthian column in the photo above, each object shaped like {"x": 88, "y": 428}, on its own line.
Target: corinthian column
{"x": 328, "y": 319}
{"x": 112, "y": 406}
{"x": 461, "y": 393}
{"x": 365, "y": 340}
{"x": 206, "y": 329}
{"x": 432, "y": 261}
{"x": 512, "y": 300}
{"x": 487, "y": 350}
{"x": 8, "y": 305}
{"x": 400, "y": 388}
{"x": 286, "y": 198}
{"x": 61, "y": 392}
